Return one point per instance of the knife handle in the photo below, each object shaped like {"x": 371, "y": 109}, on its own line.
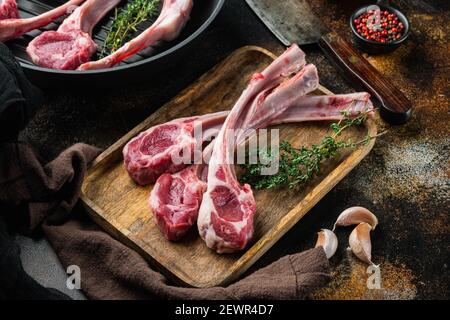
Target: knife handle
{"x": 395, "y": 106}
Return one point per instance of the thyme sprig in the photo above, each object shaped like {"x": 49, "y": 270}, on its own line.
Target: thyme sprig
{"x": 299, "y": 165}
{"x": 125, "y": 23}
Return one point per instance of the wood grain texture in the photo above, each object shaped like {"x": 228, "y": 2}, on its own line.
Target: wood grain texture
{"x": 117, "y": 204}
{"x": 359, "y": 71}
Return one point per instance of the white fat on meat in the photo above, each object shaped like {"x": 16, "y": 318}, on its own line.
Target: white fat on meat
{"x": 172, "y": 19}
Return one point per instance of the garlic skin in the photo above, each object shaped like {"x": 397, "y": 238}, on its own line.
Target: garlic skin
{"x": 360, "y": 243}
{"x": 356, "y": 215}
{"x": 328, "y": 240}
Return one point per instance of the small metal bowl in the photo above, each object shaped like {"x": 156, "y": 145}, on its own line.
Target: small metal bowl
{"x": 375, "y": 47}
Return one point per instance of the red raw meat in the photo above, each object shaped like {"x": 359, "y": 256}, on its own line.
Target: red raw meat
{"x": 13, "y": 28}
{"x": 176, "y": 198}
{"x": 327, "y": 108}
{"x": 8, "y": 9}
{"x": 71, "y": 45}
{"x": 225, "y": 218}
{"x": 153, "y": 151}
{"x": 173, "y": 18}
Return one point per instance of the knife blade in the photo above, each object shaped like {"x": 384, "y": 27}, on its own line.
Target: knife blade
{"x": 293, "y": 21}
{"x": 301, "y": 26}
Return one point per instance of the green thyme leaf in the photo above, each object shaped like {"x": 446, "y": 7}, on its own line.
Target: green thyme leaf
{"x": 298, "y": 165}
{"x": 126, "y": 22}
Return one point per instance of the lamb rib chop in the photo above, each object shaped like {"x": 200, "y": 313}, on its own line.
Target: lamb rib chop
{"x": 173, "y": 17}
{"x": 226, "y": 213}
{"x": 291, "y": 61}
{"x": 71, "y": 45}
{"x": 176, "y": 198}
{"x": 8, "y": 9}
{"x": 13, "y": 28}
{"x": 153, "y": 151}
{"x": 327, "y": 108}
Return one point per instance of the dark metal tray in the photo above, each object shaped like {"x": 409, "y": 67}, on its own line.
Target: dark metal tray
{"x": 134, "y": 69}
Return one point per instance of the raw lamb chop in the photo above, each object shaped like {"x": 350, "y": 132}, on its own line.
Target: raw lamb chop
{"x": 153, "y": 151}
{"x": 272, "y": 103}
{"x": 226, "y": 214}
{"x": 175, "y": 198}
{"x": 173, "y": 17}
{"x": 71, "y": 45}
{"x": 143, "y": 171}
{"x": 8, "y": 9}
{"x": 13, "y": 28}
{"x": 327, "y": 108}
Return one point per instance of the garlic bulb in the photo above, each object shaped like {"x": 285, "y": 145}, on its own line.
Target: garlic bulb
{"x": 356, "y": 215}
{"x": 360, "y": 242}
{"x": 328, "y": 240}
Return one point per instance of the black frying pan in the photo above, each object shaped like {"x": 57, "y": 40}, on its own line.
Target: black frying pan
{"x": 134, "y": 69}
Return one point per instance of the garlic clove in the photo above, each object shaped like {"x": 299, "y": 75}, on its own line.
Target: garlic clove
{"x": 360, "y": 242}
{"x": 328, "y": 240}
{"x": 356, "y": 215}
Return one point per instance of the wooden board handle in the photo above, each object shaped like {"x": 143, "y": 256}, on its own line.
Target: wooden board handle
{"x": 397, "y": 107}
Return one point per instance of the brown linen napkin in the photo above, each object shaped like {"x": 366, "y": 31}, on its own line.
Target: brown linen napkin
{"x": 42, "y": 190}
{"x": 110, "y": 270}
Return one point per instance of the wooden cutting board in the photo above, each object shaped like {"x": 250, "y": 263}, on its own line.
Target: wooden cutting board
{"x": 118, "y": 205}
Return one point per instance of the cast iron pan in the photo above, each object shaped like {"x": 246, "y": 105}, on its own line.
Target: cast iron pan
{"x": 135, "y": 69}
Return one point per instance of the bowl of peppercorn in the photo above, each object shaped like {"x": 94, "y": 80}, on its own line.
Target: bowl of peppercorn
{"x": 379, "y": 29}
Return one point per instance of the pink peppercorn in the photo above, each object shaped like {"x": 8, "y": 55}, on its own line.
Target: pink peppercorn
{"x": 381, "y": 26}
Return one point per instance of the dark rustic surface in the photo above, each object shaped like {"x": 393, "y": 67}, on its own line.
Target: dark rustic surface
{"x": 404, "y": 181}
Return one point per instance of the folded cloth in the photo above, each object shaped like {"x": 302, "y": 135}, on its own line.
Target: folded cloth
{"x": 15, "y": 283}
{"x": 49, "y": 192}
{"x": 19, "y": 99}
{"x": 110, "y": 270}
{"x": 35, "y": 192}
{"x": 43, "y": 190}
{"x": 45, "y": 194}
